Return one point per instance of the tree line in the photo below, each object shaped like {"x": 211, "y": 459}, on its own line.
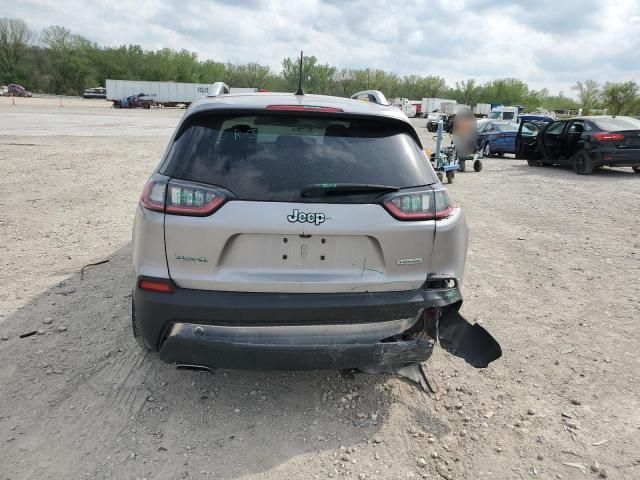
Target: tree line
{"x": 59, "y": 61}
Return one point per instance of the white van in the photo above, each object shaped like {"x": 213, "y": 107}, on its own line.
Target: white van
{"x": 507, "y": 114}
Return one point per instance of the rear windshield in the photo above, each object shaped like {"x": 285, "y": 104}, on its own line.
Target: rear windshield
{"x": 273, "y": 157}
{"x": 618, "y": 123}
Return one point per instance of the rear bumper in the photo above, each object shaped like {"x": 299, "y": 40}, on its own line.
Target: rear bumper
{"x": 203, "y": 345}
{"x": 287, "y": 331}
{"x": 617, "y": 158}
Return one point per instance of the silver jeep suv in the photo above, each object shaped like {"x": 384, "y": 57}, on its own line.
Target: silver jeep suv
{"x": 299, "y": 232}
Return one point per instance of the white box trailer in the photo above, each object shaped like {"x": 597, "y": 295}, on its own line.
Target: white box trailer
{"x": 432, "y": 104}
{"x": 482, "y": 110}
{"x": 404, "y": 104}
{"x": 165, "y": 93}
{"x": 452, "y": 108}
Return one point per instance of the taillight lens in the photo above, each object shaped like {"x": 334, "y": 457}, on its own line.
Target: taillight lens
{"x": 153, "y": 195}
{"x": 178, "y": 197}
{"x": 608, "y": 137}
{"x": 187, "y": 198}
{"x": 422, "y": 205}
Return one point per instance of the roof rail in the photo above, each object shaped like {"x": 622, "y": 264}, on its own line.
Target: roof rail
{"x": 373, "y": 96}
{"x": 218, "y": 88}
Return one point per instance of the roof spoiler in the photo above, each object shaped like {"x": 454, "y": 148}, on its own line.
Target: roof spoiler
{"x": 373, "y": 96}
{"x": 218, "y": 88}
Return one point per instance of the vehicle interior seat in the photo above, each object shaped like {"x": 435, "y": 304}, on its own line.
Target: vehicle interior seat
{"x": 575, "y": 132}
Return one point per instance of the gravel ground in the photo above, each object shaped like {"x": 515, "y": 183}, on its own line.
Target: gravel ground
{"x": 553, "y": 272}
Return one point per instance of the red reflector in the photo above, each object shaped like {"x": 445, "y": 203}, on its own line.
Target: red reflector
{"x": 304, "y": 108}
{"x": 155, "y": 285}
{"x": 608, "y": 137}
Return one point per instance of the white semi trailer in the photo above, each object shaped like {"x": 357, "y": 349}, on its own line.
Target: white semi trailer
{"x": 167, "y": 93}
{"x": 430, "y": 105}
{"x": 404, "y": 104}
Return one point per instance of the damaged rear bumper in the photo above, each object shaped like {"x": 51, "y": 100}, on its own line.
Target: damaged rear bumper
{"x": 259, "y": 331}
{"x": 218, "y": 347}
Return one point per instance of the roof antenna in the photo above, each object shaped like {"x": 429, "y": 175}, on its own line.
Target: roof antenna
{"x": 300, "y": 92}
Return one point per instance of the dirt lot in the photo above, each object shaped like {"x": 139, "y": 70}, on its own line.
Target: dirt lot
{"x": 553, "y": 272}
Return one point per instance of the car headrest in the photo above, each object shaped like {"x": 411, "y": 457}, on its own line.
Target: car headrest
{"x": 236, "y": 139}
{"x": 336, "y": 130}
{"x": 289, "y": 141}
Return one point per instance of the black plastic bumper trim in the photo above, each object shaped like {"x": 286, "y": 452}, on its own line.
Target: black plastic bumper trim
{"x": 156, "y": 312}
{"x": 187, "y": 349}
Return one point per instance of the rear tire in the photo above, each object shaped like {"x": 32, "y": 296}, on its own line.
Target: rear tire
{"x": 463, "y": 165}
{"x": 582, "y": 163}
{"x": 477, "y": 166}
{"x": 636, "y": 169}
{"x": 137, "y": 330}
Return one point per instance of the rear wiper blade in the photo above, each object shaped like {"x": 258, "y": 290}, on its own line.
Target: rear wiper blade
{"x": 323, "y": 189}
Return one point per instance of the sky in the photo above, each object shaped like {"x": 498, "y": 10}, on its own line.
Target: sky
{"x": 546, "y": 43}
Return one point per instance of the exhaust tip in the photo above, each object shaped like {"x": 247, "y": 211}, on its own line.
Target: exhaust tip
{"x": 197, "y": 368}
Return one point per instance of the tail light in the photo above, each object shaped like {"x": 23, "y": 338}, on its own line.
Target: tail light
{"x": 153, "y": 195}
{"x": 432, "y": 204}
{"x": 178, "y": 197}
{"x": 608, "y": 137}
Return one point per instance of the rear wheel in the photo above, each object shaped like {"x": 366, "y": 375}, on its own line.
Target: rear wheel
{"x": 636, "y": 169}
{"x": 477, "y": 166}
{"x": 486, "y": 151}
{"x": 582, "y": 163}
{"x": 462, "y": 165}
{"x": 137, "y": 330}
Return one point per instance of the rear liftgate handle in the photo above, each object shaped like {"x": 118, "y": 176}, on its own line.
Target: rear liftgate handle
{"x": 472, "y": 343}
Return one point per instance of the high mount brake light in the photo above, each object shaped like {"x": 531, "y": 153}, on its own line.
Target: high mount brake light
{"x": 608, "y": 137}
{"x": 304, "y": 108}
{"x": 179, "y": 197}
{"x": 422, "y": 205}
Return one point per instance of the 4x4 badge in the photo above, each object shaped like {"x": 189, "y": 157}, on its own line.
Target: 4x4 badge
{"x": 302, "y": 217}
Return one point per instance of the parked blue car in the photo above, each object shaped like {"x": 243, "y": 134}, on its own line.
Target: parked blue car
{"x": 497, "y": 138}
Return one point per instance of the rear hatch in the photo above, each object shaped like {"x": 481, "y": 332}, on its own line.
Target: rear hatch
{"x": 302, "y": 205}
